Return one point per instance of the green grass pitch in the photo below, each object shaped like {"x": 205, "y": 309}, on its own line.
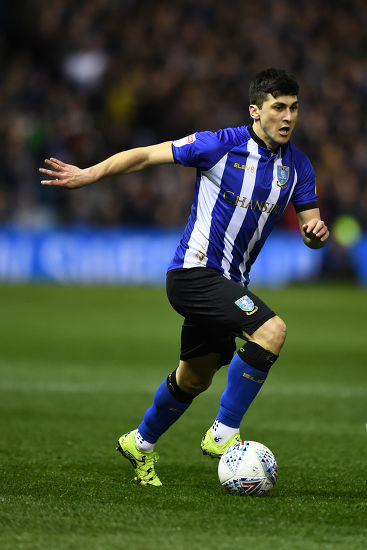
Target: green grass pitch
{"x": 78, "y": 367}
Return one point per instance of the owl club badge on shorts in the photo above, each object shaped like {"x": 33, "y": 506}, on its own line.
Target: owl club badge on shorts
{"x": 246, "y": 304}
{"x": 283, "y": 176}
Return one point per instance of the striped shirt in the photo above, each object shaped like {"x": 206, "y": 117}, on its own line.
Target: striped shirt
{"x": 242, "y": 189}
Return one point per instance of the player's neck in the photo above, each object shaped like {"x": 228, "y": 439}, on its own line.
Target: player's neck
{"x": 257, "y": 135}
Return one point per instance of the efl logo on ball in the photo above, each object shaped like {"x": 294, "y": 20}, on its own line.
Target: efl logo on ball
{"x": 248, "y": 468}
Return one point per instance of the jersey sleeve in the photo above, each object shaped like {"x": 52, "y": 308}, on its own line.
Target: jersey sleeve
{"x": 304, "y": 195}
{"x": 203, "y": 150}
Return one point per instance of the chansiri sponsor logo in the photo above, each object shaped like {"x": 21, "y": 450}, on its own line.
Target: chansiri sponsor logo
{"x": 244, "y": 202}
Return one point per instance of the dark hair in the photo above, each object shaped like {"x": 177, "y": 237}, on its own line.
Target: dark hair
{"x": 271, "y": 81}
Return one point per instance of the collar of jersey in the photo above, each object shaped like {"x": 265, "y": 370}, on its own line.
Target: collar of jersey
{"x": 268, "y": 152}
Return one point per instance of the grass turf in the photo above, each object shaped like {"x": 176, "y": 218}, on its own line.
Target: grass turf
{"x": 79, "y": 366}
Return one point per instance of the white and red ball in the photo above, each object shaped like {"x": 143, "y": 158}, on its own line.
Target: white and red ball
{"x": 248, "y": 468}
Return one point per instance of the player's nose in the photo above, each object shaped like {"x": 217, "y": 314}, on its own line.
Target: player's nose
{"x": 287, "y": 117}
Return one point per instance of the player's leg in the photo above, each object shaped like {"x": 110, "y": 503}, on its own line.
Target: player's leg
{"x": 174, "y": 395}
{"x": 172, "y": 398}
{"x": 247, "y": 373}
{"x": 169, "y": 403}
{"x": 221, "y": 307}
{"x": 265, "y": 334}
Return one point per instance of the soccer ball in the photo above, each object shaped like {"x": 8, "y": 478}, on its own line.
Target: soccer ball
{"x": 248, "y": 468}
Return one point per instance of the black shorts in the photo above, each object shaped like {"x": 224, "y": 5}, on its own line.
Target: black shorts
{"x": 216, "y": 310}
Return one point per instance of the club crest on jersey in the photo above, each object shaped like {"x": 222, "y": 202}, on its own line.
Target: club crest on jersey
{"x": 283, "y": 176}
{"x": 246, "y": 304}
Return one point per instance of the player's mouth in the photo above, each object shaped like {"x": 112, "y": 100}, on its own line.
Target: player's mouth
{"x": 284, "y": 131}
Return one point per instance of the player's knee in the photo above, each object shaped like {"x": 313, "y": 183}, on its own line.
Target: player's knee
{"x": 192, "y": 383}
{"x": 195, "y": 375}
{"x": 194, "y": 386}
{"x": 271, "y": 335}
{"x": 279, "y": 331}
{"x": 181, "y": 393}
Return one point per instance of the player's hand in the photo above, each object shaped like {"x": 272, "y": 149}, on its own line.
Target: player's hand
{"x": 65, "y": 175}
{"x": 315, "y": 232}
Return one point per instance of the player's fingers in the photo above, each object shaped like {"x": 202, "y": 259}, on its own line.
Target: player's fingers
{"x": 324, "y": 235}
{"x": 313, "y": 226}
{"x": 54, "y": 164}
{"x": 311, "y": 223}
{"x": 320, "y": 229}
{"x": 52, "y": 173}
{"x": 307, "y": 228}
{"x": 57, "y": 161}
{"x": 51, "y": 182}
{"x": 48, "y": 172}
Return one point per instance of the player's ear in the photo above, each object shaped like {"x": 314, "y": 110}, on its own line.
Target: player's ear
{"x": 254, "y": 112}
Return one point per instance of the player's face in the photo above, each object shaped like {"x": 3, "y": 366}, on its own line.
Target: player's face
{"x": 275, "y": 121}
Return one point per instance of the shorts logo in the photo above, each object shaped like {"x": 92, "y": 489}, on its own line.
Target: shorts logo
{"x": 246, "y": 304}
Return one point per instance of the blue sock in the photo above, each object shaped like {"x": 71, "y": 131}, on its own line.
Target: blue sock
{"x": 243, "y": 384}
{"x": 165, "y": 410}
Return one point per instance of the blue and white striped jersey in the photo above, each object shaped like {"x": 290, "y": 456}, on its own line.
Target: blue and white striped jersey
{"x": 241, "y": 191}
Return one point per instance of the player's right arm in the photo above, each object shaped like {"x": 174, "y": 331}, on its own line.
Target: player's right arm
{"x": 73, "y": 177}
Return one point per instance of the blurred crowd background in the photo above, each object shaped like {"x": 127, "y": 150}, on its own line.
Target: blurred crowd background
{"x": 83, "y": 80}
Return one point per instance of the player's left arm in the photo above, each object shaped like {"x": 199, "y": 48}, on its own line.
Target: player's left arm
{"x": 313, "y": 229}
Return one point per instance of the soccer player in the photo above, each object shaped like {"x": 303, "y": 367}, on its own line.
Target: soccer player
{"x": 245, "y": 178}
